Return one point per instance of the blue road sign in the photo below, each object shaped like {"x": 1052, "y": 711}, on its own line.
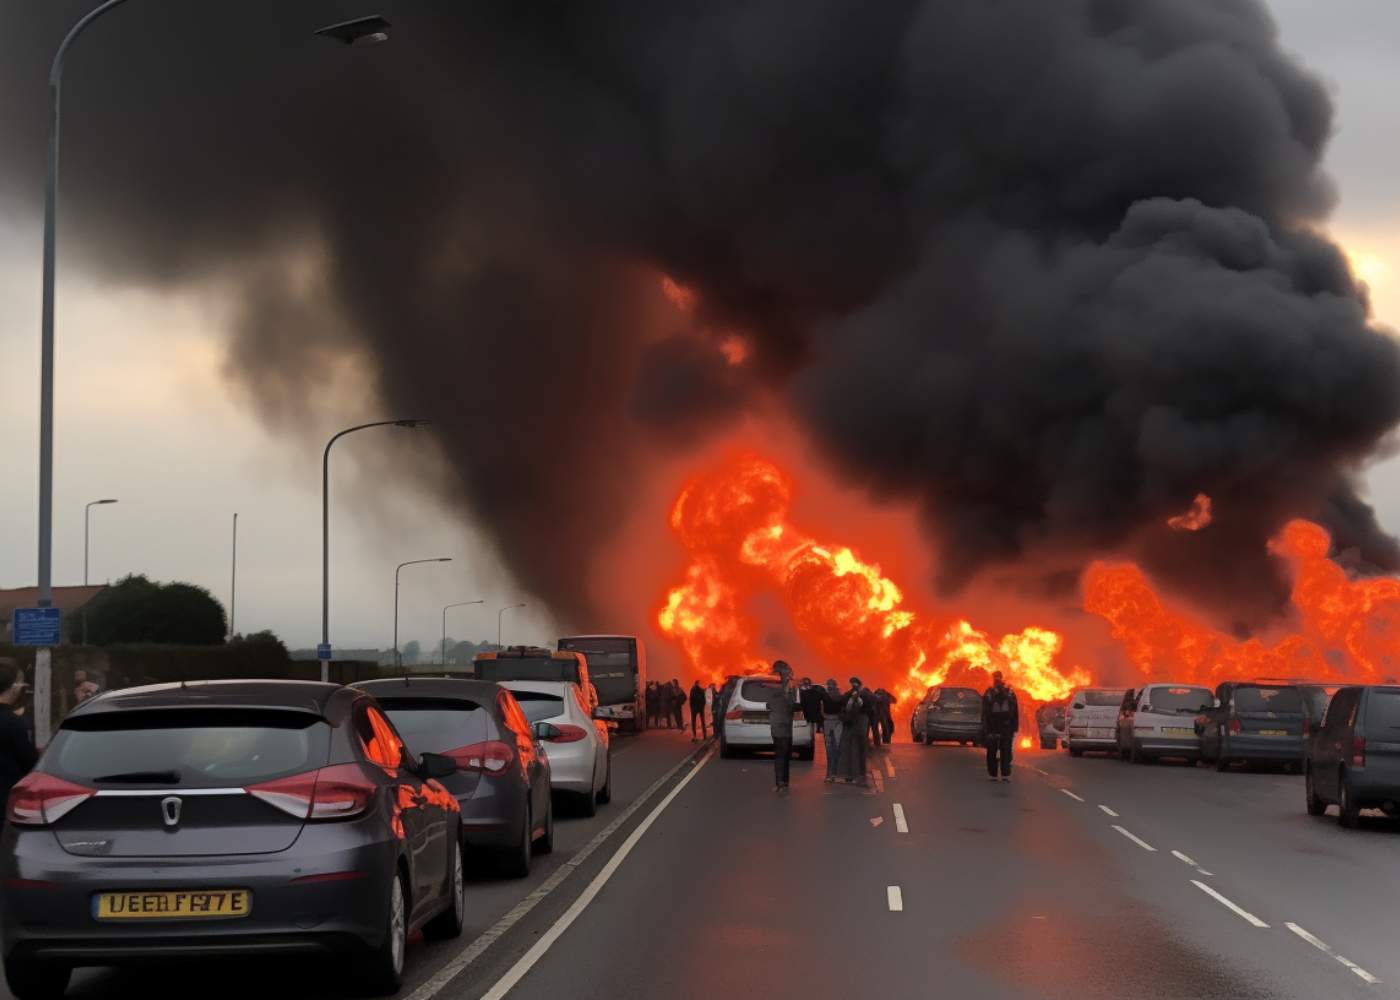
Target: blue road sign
{"x": 35, "y": 626}
{"x": 323, "y": 651}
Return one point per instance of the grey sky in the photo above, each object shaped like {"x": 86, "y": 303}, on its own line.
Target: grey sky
{"x": 145, "y": 414}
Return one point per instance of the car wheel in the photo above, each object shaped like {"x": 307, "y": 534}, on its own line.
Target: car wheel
{"x": 33, "y": 980}
{"x": 1348, "y": 811}
{"x": 545, "y": 845}
{"x": 1136, "y": 755}
{"x": 1047, "y": 744}
{"x": 605, "y": 793}
{"x": 1316, "y": 807}
{"x": 448, "y": 924}
{"x": 516, "y": 861}
{"x": 380, "y": 972}
{"x": 724, "y": 750}
{"x": 1076, "y": 752}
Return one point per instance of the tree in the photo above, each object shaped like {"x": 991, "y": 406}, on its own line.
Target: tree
{"x": 411, "y": 651}
{"x": 137, "y": 609}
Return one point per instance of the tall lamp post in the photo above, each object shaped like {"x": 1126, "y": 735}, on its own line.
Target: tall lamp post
{"x": 398, "y": 661}
{"x": 499, "y": 614}
{"x": 324, "y": 652}
{"x": 233, "y": 584}
{"x": 87, "y": 524}
{"x": 459, "y": 604}
{"x": 364, "y": 29}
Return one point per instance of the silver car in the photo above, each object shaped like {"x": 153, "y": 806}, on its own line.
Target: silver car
{"x": 227, "y": 818}
{"x": 1092, "y": 720}
{"x": 1160, "y": 721}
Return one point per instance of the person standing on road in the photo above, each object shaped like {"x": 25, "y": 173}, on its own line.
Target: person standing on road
{"x": 678, "y": 703}
{"x": 1001, "y": 717}
{"x": 17, "y": 753}
{"x": 886, "y": 701}
{"x": 831, "y": 726}
{"x": 855, "y": 727}
{"x": 697, "y": 711}
{"x": 653, "y": 709}
{"x": 780, "y": 711}
{"x": 809, "y": 696}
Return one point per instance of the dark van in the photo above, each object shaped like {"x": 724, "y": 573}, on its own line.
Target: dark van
{"x": 1253, "y": 723}
{"x": 1354, "y": 760}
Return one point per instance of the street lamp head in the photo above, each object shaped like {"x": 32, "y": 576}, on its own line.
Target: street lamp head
{"x": 361, "y": 30}
{"x": 412, "y": 422}
{"x": 444, "y": 559}
{"x": 108, "y": 500}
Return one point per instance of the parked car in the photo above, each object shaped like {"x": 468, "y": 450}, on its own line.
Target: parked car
{"x": 502, "y": 773}
{"x": 579, "y": 746}
{"x": 1050, "y": 721}
{"x": 1253, "y": 723}
{"x": 746, "y": 719}
{"x": 1092, "y": 720}
{"x": 1159, "y": 720}
{"x": 1353, "y": 761}
{"x": 227, "y": 818}
{"x": 948, "y": 713}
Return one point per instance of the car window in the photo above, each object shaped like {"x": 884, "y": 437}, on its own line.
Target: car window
{"x": 757, "y": 690}
{"x": 1101, "y": 697}
{"x": 1338, "y": 711}
{"x": 1253, "y": 698}
{"x": 958, "y": 698}
{"x": 1180, "y": 699}
{"x": 1383, "y": 709}
{"x": 381, "y": 744}
{"x": 539, "y": 706}
{"x": 434, "y": 725}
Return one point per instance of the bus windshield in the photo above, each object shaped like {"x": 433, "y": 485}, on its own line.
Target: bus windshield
{"x": 612, "y": 665}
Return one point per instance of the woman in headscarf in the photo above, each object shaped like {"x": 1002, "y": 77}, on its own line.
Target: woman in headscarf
{"x": 831, "y": 726}
{"x": 855, "y": 723}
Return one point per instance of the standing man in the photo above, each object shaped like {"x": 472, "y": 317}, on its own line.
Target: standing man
{"x": 1001, "y": 717}
{"x": 886, "y": 715}
{"x": 780, "y": 710}
{"x": 697, "y": 711}
{"x": 678, "y": 703}
{"x": 653, "y": 705}
{"x": 17, "y": 753}
{"x": 809, "y": 696}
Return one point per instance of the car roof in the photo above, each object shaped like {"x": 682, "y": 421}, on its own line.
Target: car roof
{"x": 1177, "y": 684}
{"x": 599, "y": 635}
{"x": 464, "y": 688}
{"x": 545, "y": 687}
{"x": 305, "y": 696}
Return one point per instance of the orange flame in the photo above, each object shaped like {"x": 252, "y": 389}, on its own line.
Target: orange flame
{"x": 1194, "y": 519}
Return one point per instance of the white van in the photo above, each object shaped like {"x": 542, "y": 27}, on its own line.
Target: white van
{"x": 1092, "y": 720}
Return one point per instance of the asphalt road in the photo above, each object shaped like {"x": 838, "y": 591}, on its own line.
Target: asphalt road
{"x": 1082, "y": 879}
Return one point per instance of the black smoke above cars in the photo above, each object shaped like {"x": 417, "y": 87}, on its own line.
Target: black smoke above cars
{"x": 1048, "y": 270}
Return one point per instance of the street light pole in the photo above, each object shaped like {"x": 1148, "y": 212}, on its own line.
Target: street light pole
{"x": 459, "y": 604}
{"x": 499, "y": 614}
{"x": 87, "y": 521}
{"x": 233, "y": 583}
{"x": 326, "y": 527}
{"x": 398, "y": 662}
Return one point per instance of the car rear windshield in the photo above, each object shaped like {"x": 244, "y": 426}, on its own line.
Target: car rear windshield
{"x": 1383, "y": 708}
{"x": 1180, "y": 699}
{"x": 958, "y": 698}
{"x": 533, "y": 668}
{"x": 193, "y": 748}
{"x": 432, "y": 725}
{"x": 1249, "y": 698}
{"x": 1101, "y": 697}
{"x": 1316, "y": 699}
{"x": 757, "y": 690}
{"x": 539, "y": 706}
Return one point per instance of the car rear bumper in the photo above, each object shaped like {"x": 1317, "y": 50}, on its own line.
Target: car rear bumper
{"x": 1168, "y": 746}
{"x": 1081, "y": 740}
{"x": 758, "y": 735}
{"x": 494, "y": 815}
{"x": 1375, "y": 784}
{"x": 47, "y": 906}
{"x": 1264, "y": 748}
{"x": 952, "y": 730}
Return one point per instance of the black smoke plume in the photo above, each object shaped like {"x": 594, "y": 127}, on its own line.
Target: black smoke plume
{"x": 1047, "y": 269}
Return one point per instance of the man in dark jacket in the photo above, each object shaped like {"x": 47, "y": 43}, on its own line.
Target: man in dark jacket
{"x": 780, "y": 711}
{"x": 17, "y": 753}
{"x": 697, "y": 711}
{"x": 886, "y": 715}
{"x": 810, "y": 697}
{"x": 1001, "y": 717}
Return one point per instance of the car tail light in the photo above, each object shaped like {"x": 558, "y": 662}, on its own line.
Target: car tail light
{"x": 39, "y": 799}
{"x": 338, "y": 792}
{"x": 567, "y": 734}
{"x": 1358, "y": 752}
{"x": 491, "y": 757}
{"x": 1234, "y": 727}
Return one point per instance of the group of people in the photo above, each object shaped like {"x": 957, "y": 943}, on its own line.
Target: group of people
{"x": 851, "y": 722}
{"x": 666, "y": 702}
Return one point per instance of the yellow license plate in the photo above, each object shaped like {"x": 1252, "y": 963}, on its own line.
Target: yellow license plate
{"x": 194, "y": 904}
{"x": 1179, "y": 732}
{"x": 1273, "y": 732}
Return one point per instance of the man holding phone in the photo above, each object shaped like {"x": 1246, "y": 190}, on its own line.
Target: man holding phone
{"x": 780, "y": 711}
{"x": 17, "y": 753}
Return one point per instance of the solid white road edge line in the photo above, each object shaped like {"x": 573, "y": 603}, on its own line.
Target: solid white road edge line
{"x": 1323, "y": 947}
{"x": 1076, "y": 798}
{"x": 896, "y": 899}
{"x": 527, "y": 961}
{"x": 1238, "y": 910}
{"x": 434, "y": 985}
{"x": 900, "y": 823}
{"x": 1134, "y": 838}
{"x": 1108, "y": 810}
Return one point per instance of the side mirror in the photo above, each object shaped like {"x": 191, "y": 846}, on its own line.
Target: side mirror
{"x": 545, "y": 731}
{"x": 436, "y": 765}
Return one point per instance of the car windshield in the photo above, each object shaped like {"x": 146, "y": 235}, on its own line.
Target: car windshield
{"x": 958, "y": 698}
{"x": 432, "y": 725}
{"x": 191, "y": 748}
{"x": 539, "y": 706}
{"x": 1101, "y": 697}
{"x": 1250, "y": 698}
{"x": 1383, "y": 709}
{"x": 1180, "y": 700}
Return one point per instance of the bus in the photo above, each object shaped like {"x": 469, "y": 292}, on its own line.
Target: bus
{"x": 618, "y": 666}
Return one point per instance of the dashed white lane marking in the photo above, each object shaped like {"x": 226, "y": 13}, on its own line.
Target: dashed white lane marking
{"x": 1076, "y": 798}
{"x": 900, "y": 823}
{"x": 527, "y": 961}
{"x": 896, "y": 899}
{"x": 1323, "y": 947}
{"x": 1041, "y": 770}
{"x": 1238, "y": 910}
{"x": 1182, "y": 857}
{"x": 1134, "y": 838}
{"x": 1108, "y": 810}
{"x": 889, "y": 767}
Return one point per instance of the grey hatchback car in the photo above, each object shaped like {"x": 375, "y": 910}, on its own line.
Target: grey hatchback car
{"x": 226, "y": 818}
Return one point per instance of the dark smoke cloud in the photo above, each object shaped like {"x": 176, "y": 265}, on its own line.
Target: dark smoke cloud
{"x": 1046, "y": 268}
